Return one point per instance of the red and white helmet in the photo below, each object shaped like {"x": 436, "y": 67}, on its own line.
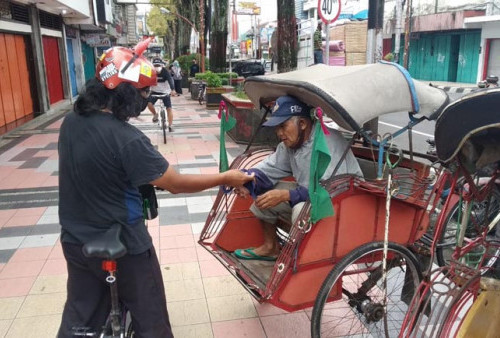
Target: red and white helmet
{"x": 120, "y": 64}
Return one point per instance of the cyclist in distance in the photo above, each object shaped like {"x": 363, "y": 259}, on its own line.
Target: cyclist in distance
{"x": 164, "y": 86}
{"x": 102, "y": 161}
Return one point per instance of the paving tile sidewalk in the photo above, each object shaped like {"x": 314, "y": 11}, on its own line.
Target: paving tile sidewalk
{"x": 203, "y": 299}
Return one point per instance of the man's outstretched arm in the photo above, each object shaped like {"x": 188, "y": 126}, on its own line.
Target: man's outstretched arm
{"x": 179, "y": 183}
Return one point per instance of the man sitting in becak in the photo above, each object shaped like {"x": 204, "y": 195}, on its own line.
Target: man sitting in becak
{"x": 275, "y": 199}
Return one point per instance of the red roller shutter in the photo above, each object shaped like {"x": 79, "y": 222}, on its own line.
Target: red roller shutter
{"x": 15, "y": 96}
{"x": 53, "y": 69}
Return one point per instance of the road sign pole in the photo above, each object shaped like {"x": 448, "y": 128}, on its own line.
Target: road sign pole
{"x": 326, "y": 53}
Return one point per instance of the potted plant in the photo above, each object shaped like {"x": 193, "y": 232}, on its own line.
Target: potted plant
{"x": 215, "y": 89}
{"x": 248, "y": 119}
{"x": 185, "y": 61}
{"x": 231, "y": 79}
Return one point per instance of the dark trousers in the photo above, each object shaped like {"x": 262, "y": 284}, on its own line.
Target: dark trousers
{"x": 140, "y": 289}
{"x": 178, "y": 86}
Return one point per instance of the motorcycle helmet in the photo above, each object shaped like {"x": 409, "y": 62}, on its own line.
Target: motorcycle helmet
{"x": 121, "y": 64}
{"x": 492, "y": 79}
{"x": 158, "y": 62}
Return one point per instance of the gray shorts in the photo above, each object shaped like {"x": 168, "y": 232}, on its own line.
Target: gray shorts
{"x": 282, "y": 211}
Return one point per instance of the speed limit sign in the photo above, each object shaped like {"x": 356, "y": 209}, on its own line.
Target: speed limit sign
{"x": 329, "y": 10}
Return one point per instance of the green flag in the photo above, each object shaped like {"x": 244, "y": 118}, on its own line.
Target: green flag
{"x": 227, "y": 123}
{"x": 321, "y": 204}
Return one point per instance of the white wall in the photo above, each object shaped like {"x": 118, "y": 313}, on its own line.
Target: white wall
{"x": 490, "y": 30}
{"x": 80, "y": 6}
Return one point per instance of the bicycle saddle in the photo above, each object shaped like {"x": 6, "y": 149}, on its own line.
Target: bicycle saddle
{"x": 107, "y": 246}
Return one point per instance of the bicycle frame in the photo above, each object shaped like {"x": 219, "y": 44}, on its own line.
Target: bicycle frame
{"x": 108, "y": 247}
{"x": 115, "y": 315}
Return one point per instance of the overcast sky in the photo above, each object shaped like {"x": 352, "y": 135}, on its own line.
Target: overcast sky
{"x": 269, "y": 12}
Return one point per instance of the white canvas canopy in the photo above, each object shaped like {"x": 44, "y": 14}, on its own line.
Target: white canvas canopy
{"x": 350, "y": 95}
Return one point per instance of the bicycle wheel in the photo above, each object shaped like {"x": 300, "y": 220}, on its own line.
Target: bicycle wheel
{"x": 129, "y": 329}
{"x": 360, "y": 311}
{"x": 482, "y": 213}
{"x": 163, "y": 125}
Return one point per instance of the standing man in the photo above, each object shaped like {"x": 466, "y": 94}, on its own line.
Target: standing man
{"x": 102, "y": 162}
{"x": 318, "y": 45}
{"x": 194, "y": 68}
{"x": 164, "y": 86}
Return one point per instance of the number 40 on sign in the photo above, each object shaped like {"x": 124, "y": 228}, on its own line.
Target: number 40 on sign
{"x": 329, "y": 10}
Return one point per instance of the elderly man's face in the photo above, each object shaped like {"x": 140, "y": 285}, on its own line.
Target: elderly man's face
{"x": 289, "y": 132}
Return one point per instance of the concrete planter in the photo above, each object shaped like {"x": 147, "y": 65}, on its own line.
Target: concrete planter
{"x": 194, "y": 88}
{"x": 214, "y": 95}
{"x": 248, "y": 119}
{"x": 235, "y": 82}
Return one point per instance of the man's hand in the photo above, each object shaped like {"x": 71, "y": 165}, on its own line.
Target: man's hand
{"x": 242, "y": 192}
{"x": 236, "y": 178}
{"x": 272, "y": 198}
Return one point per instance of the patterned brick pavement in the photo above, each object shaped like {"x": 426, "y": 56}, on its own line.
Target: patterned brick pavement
{"x": 203, "y": 299}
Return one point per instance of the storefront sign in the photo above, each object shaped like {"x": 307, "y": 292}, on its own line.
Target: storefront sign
{"x": 247, "y": 8}
{"x": 97, "y": 40}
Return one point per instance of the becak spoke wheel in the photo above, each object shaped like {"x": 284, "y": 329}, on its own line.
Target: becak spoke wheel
{"x": 482, "y": 213}
{"x": 362, "y": 309}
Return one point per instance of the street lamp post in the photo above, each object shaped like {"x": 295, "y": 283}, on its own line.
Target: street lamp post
{"x": 200, "y": 36}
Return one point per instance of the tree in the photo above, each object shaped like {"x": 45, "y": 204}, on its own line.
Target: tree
{"x": 157, "y": 22}
{"x": 163, "y": 25}
{"x": 287, "y": 36}
{"x": 219, "y": 37}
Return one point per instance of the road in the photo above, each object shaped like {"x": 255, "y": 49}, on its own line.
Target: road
{"x": 421, "y": 132}
{"x": 391, "y": 123}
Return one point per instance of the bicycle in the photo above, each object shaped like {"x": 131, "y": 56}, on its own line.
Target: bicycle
{"x": 202, "y": 93}
{"x": 163, "y": 118}
{"x": 109, "y": 248}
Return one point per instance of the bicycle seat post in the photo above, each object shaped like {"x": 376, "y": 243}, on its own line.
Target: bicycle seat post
{"x": 109, "y": 265}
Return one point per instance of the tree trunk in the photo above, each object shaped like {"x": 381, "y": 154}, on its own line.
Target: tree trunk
{"x": 218, "y": 39}
{"x": 184, "y": 27}
{"x": 287, "y": 36}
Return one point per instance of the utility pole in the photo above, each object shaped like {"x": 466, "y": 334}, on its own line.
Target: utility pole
{"x": 374, "y": 41}
{"x": 398, "y": 29}
{"x": 407, "y": 33}
{"x": 326, "y": 53}
{"x": 374, "y": 45}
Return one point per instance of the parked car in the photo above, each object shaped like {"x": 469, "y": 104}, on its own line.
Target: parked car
{"x": 249, "y": 68}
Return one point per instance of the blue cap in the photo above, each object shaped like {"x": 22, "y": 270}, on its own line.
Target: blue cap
{"x": 284, "y": 108}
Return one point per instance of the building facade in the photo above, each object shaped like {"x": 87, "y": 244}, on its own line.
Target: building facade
{"x": 48, "y": 50}
{"x": 453, "y": 41}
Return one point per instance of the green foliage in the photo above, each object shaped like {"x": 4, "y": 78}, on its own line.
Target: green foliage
{"x": 389, "y": 57}
{"x": 185, "y": 61}
{"x": 227, "y": 75}
{"x": 223, "y": 77}
{"x": 156, "y": 21}
{"x": 213, "y": 80}
{"x": 240, "y": 93}
{"x": 201, "y": 76}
